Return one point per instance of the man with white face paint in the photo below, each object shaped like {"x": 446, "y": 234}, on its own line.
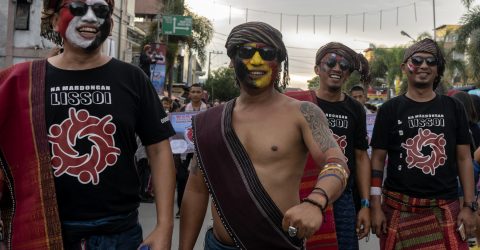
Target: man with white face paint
{"x": 67, "y": 141}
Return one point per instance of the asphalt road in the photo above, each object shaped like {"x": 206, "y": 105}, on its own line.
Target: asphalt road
{"x": 148, "y": 218}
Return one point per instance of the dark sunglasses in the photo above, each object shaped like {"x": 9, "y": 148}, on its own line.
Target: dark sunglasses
{"x": 418, "y": 60}
{"x": 81, "y": 8}
{"x": 332, "y": 61}
{"x": 267, "y": 53}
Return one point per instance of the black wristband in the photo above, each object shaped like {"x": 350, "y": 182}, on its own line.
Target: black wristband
{"x": 322, "y": 192}
{"x": 322, "y": 209}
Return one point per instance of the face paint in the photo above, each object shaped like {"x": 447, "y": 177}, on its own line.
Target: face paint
{"x": 324, "y": 67}
{"x": 64, "y": 19}
{"x": 241, "y": 72}
{"x": 411, "y": 68}
{"x": 87, "y": 31}
{"x": 255, "y": 71}
{"x": 333, "y": 70}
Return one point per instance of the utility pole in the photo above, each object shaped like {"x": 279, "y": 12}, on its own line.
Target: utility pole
{"x": 434, "y": 23}
{"x": 210, "y": 63}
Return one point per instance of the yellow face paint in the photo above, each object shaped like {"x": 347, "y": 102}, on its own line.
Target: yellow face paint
{"x": 260, "y": 71}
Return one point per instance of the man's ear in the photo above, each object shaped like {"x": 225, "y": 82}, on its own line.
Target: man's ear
{"x": 404, "y": 68}
{"x": 316, "y": 69}
{"x": 230, "y": 65}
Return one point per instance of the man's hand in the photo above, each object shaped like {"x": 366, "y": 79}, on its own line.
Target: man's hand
{"x": 158, "y": 240}
{"x": 305, "y": 217}
{"x": 467, "y": 217}
{"x": 363, "y": 223}
{"x": 379, "y": 221}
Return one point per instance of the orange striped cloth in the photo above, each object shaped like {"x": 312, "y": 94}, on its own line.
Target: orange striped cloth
{"x": 326, "y": 237}
{"x": 415, "y": 223}
{"x": 29, "y": 206}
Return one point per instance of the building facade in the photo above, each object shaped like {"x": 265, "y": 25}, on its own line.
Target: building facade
{"x": 20, "y": 38}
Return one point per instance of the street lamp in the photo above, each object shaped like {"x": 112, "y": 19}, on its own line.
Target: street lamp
{"x": 403, "y": 33}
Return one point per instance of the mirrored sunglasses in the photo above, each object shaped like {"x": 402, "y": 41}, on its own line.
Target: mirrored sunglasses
{"x": 332, "y": 61}
{"x": 267, "y": 53}
{"x": 418, "y": 60}
{"x": 80, "y": 9}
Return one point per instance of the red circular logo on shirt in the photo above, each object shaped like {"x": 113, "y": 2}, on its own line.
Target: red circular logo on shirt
{"x": 427, "y": 163}
{"x": 86, "y": 166}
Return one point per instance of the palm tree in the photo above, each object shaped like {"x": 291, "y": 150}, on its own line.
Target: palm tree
{"x": 467, "y": 3}
{"x": 455, "y": 67}
{"x": 469, "y": 37}
{"x": 385, "y": 65}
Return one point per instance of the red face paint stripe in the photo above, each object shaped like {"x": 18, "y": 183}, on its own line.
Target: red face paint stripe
{"x": 64, "y": 19}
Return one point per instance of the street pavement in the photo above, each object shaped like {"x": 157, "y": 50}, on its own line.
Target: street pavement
{"x": 148, "y": 219}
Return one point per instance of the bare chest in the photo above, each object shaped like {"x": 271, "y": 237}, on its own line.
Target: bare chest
{"x": 268, "y": 138}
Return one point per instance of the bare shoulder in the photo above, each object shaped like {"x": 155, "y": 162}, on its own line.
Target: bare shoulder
{"x": 295, "y": 104}
{"x": 303, "y": 107}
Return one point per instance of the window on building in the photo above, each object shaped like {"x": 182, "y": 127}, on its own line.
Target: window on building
{"x": 22, "y": 14}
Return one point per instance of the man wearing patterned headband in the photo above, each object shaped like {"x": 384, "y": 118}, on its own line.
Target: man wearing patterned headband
{"x": 67, "y": 141}
{"x": 334, "y": 62}
{"x": 251, "y": 152}
{"x": 427, "y": 140}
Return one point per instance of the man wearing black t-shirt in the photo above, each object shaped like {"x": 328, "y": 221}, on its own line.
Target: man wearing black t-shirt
{"x": 333, "y": 64}
{"x": 426, "y": 138}
{"x": 76, "y": 128}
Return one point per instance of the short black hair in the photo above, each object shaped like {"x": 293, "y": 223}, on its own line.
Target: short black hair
{"x": 166, "y": 99}
{"x": 196, "y": 85}
{"x": 357, "y": 87}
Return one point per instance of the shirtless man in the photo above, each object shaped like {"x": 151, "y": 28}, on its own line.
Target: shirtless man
{"x": 251, "y": 153}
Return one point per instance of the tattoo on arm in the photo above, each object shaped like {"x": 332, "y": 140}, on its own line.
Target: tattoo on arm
{"x": 319, "y": 125}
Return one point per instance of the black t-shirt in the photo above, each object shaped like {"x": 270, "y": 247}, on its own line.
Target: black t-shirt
{"x": 421, "y": 140}
{"x": 346, "y": 119}
{"x": 92, "y": 117}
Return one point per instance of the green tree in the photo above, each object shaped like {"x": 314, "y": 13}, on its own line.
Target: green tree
{"x": 455, "y": 68}
{"x": 313, "y": 83}
{"x": 202, "y": 34}
{"x": 222, "y": 84}
{"x": 385, "y": 65}
{"x": 469, "y": 38}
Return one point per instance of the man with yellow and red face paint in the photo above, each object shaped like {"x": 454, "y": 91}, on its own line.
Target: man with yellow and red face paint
{"x": 75, "y": 116}
{"x": 251, "y": 152}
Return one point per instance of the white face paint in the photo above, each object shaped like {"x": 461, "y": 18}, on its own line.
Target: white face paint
{"x": 82, "y": 30}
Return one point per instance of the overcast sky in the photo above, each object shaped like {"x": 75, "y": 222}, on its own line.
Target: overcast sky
{"x": 356, "y": 23}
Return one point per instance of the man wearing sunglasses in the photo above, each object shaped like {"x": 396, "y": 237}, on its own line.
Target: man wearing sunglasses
{"x": 334, "y": 62}
{"x": 426, "y": 138}
{"x": 67, "y": 141}
{"x": 251, "y": 152}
